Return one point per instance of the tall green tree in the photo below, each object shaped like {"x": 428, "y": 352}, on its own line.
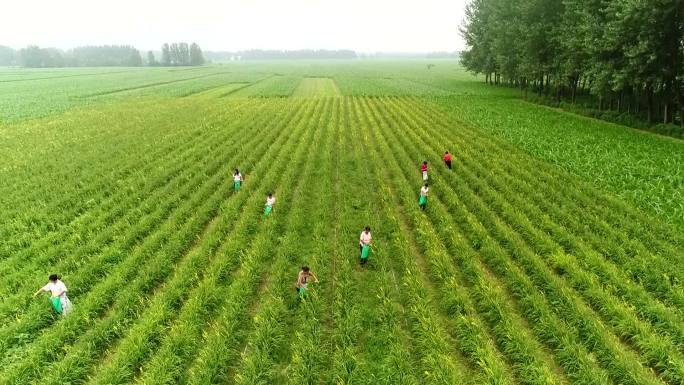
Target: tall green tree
{"x": 166, "y": 55}
{"x": 196, "y": 57}
{"x": 628, "y": 55}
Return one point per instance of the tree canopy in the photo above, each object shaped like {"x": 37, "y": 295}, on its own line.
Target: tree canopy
{"x": 627, "y": 54}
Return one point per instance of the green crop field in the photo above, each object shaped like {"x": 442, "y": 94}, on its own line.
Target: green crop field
{"x": 552, "y": 253}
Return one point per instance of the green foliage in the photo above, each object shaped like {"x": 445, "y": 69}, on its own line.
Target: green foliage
{"x": 517, "y": 272}
{"x": 625, "y": 53}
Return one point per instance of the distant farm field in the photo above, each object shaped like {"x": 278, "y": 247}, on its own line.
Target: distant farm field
{"x": 550, "y": 254}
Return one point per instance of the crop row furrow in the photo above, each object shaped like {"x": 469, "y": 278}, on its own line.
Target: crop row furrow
{"x": 160, "y": 250}
{"x": 95, "y": 257}
{"x": 658, "y": 350}
{"x": 270, "y": 329}
{"x": 212, "y": 362}
{"x": 470, "y": 331}
{"x": 618, "y": 360}
{"x": 102, "y": 221}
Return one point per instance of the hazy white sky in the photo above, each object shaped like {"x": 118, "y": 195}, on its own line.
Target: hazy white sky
{"x": 362, "y": 25}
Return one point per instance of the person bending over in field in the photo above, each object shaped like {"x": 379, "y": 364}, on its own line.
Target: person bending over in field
{"x": 423, "y": 170}
{"x": 270, "y": 201}
{"x": 422, "y": 200}
{"x": 447, "y": 159}
{"x": 237, "y": 180}
{"x": 303, "y": 281}
{"x": 364, "y": 245}
{"x": 58, "y": 295}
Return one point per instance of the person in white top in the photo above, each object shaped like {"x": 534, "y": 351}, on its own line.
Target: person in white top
{"x": 270, "y": 201}
{"x": 422, "y": 201}
{"x": 237, "y": 179}
{"x": 364, "y": 242}
{"x": 58, "y": 294}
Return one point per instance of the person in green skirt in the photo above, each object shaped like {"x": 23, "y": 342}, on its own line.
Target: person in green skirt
{"x": 422, "y": 200}
{"x": 237, "y": 179}
{"x": 303, "y": 281}
{"x": 364, "y": 245}
{"x": 58, "y": 295}
{"x": 270, "y": 201}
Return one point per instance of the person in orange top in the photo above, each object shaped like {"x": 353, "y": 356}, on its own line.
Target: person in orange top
{"x": 447, "y": 159}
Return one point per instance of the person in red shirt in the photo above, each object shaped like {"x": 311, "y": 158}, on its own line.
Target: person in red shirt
{"x": 447, "y": 159}
{"x": 423, "y": 170}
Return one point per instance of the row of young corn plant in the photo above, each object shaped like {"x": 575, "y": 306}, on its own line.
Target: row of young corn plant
{"x": 390, "y": 354}
{"x": 485, "y": 237}
{"x": 437, "y": 351}
{"x": 615, "y": 313}
{"x": 654, "y": 347}
{"x": 663, "y": 318}
{"x": 160, "y": 252}
{"x": 588, "y": 246}
{"x": 351, "y": 213}
{"x": 89, "y": 261}
{"x": 471, "y": 333}
{"x": 369, "y": 340}
{"x": 507, "y": 330}
{"x": 38, "y": 318}
{"x": 261, "y": 361}
{"x": 621, "y": 213}
{"x": 35, "y": 317}
{"x": 284, "y": 206}
{"x": 430, "y": 261}
{"x": 105, "y": 219}
{"x": 644, "y": 266}
{"x": 60, "y": 209}
{"x": 568, "y": 242}
{"x": 639, "y": 235}
{"x": 247, "y": 239}
{"x": 634, "y": 226}
{"x": 303, "y": 362}
{"x": 619, "y": 361}
{"x": 226, "y": 335}
{"x": 148, "y": 332}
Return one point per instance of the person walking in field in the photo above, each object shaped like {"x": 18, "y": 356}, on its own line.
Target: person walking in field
{"x": 423, "y": 170}
{"x": 422, "y": 200}
{"x": 270, "y": 201}
{"x": 237, "y": 180}
{"x": 58, "y": 295}
{"x": 364, "y": 245}
{"x": 447, "y": 159}
{"x": 302, "y": 284}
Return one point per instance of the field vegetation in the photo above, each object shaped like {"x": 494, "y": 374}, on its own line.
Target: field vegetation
{"x": 550, "y": 254}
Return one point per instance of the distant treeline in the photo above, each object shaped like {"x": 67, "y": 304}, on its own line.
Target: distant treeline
{"x": 258, "y": 54}
{"x": 623, "y": 57}
{"x": 175, "y": 54}
{"x": 178, "y": 54}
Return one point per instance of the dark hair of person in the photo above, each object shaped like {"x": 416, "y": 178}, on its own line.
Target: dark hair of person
{"x": 305, "y": 269}
{"x": 425, "y": 162}
{"x": 53, "y": 277}
{"x": 237, "y": 171}
{"x": 446, "y": 152}
{"x": 367, "y": 228}
{"x": 426, "y": 185}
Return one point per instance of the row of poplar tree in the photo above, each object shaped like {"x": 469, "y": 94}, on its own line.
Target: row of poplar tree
{"x": 178, "y": 54}
{"x": 626, "y": 54}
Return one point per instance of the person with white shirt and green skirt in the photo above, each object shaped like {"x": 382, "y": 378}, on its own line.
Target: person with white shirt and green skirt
{"x": 270, "y": 201}
{"x": 364, "y": 245}
{"x": 58, "y": 295}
